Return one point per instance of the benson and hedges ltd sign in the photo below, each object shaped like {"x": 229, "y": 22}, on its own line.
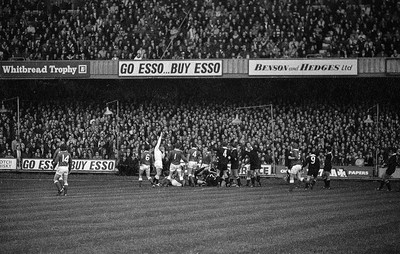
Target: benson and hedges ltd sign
{"x": 303, "y": 67}
{"x": 45, "y": 69}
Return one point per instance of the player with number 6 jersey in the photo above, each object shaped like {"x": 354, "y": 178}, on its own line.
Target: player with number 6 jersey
{"x": 145, "y": 164}
{"x": 63, "y": 164}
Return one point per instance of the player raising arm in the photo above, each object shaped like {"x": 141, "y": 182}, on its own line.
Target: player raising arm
{"x": 63, "y": 163}
{"x": 158, "y": 164}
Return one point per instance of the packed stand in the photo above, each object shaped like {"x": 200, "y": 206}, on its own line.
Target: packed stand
{"x": 81, "y": 30}
{"x": 92, "y": 135}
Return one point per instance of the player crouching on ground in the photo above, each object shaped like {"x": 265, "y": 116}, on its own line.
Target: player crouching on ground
{"x": 313, "y": 163}
{"x": 62, "y": 163}
{"x": 296, "y": 169}
{"x": 171, "y": 181}
{"x": 391, "y": 168}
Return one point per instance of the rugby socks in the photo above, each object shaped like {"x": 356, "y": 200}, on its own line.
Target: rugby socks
{"x": 307, "y": 184}
{"x": 58, "y": 185}
{"x": 328, "y": 184}
{"x": 238, "y": 181}
{"x": 248, "y": 182}
{"x": 259, "y": 180}
{"x": 381, "y": 185}
{"x": 253, "y": 181}
{"x": 65, "y": 190}
{"x": 313, "y": 182}
{"x": 191, "y": 181}
{"x": 388, "y": 185}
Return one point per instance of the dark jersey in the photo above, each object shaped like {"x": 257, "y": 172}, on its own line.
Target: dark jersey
{"x": 234, "y": 159}
{"x": 328, "y": 162}
{"x": 222, "y": 155}
{"x": 145, "y": 159}
{"x": 63, "y": 159}
{"x": 313, "y": 163}
{"x": 207, "y": 158}
{"x": 254, "y": 160}
{"x": 392, "y": 163}
{"x": 175, "y": 156}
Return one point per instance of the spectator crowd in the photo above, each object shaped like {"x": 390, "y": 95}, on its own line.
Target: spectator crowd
{"x": 172, "y": 29}
{"x": 206, "y": 118}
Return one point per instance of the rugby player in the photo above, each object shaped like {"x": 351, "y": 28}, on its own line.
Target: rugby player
{"x": 63, "y": 163}
{"x": 296, "y": 166}
{"x": 174, "y": 157}
{"x": 158, "y": 163}
{"x": 145, "y": 164}
{"x": 193, "y": 157}
{"x": 313, "y": 163}
{"x": 234, "y": 159}
{"x": 223, "y": 155}
{"x": 391, "y": 168}
{"x": 254, "y": 160}
{"x": 326, "y": 174}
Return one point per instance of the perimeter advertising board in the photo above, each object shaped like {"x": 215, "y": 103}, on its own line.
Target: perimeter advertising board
{"x": 77, "y": 165}
{"x": 8, "y": 164}
{"x": 45, "y": 69}
{"x": 341, "y": 172}
{"x": 190, "y": 68}
{"x": 303, "y": 67}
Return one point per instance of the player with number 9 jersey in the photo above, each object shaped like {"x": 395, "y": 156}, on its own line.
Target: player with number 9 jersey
{"x": 313, "y": 163}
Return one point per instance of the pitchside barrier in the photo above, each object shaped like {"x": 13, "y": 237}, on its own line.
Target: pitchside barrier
{"x": 45, "y": 165}
{"x": 200, "y": 68}
{"x": 346, "y": 172}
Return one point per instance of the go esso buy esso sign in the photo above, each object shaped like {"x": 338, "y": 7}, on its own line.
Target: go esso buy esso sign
{"x": 169, "y": 68}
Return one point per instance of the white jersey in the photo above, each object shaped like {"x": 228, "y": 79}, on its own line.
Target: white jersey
{"x": 158, "y": 155}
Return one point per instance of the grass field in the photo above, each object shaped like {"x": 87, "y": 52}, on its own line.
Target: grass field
{"x": 111, "y": 214}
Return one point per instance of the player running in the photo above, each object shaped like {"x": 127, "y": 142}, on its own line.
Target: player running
{"x": 175, "y": 156}
{"x": 158, "y": 163}
{"x": 296, "y": 166}
{"x": 313, "y": 163}
{"x": 145, "y": 164}
{"x": 193, "y": 157}
{"x": 63, "y": 163}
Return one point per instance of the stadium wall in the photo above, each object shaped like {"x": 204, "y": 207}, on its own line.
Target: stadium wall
{"x": 206, "y": 68}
